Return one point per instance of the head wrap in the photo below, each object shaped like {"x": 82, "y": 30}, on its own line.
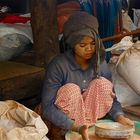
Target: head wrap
{"x": 82, "y": 24}
{"x": 79, "y": 24}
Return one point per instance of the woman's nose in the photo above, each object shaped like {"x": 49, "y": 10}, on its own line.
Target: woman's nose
{"x": 89, "y": 47}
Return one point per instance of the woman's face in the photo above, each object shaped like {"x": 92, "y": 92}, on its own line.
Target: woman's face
{"x": 85, "y": 48}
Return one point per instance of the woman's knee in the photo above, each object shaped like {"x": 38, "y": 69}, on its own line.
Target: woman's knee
{"x": 69, "y": 89}
{"x": 102, "y": 83}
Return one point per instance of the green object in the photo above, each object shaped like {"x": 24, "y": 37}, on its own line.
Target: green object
{"x": 137, "y": 128}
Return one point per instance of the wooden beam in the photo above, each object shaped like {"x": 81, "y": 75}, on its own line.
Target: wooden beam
{"x": 45, "y": 32}
{"x": 121, "y": 35}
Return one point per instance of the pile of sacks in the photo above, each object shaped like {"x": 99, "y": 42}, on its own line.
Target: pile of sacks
{"x": 125, "y": 67}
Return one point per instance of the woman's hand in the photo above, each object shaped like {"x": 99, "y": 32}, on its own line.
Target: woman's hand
{"x": 125, "y": 121}
{"x": 83, "y": 130}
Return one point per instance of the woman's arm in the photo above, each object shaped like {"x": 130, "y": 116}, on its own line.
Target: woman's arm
{"x": 53, "y": 81}
{"x": 116, "y": 109}
{"x": 116, "y": 112}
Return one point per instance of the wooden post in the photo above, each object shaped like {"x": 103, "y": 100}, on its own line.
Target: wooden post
{"x": 45, "y": 32}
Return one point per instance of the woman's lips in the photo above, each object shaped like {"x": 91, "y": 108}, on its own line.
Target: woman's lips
{"x": 89, "y": 54}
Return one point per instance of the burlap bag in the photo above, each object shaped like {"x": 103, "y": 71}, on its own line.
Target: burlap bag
{"x": 20, "y": 123}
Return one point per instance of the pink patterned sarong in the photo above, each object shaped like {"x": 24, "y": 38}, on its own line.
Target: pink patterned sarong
{"x": 86, "y": 108}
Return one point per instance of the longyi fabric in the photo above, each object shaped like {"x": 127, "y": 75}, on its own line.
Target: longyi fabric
{"x": 86, "y": 108}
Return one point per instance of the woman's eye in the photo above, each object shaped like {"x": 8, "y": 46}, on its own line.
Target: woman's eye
{"x": 93, "y": 43}
{"x": 82, "y": 45}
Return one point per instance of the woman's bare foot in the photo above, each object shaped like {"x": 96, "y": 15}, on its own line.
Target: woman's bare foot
{"x": 125, "y": 121}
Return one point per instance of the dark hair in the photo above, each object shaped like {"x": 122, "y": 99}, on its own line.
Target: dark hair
{"x": 100, "y": 53}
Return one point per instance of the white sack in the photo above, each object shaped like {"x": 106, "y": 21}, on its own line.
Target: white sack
{"x": 128, "y": 67}
{"x": 20, "y": 123}
{"x": 22, "y": 29}
{"x": 136, "y": 15}
{"x": 125, "y": 94}
{"x": 124, "y": 44}
{"x": 127, "y": 23}
{"x": 14, "y": 39}
{"x": 12, "y": 45}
